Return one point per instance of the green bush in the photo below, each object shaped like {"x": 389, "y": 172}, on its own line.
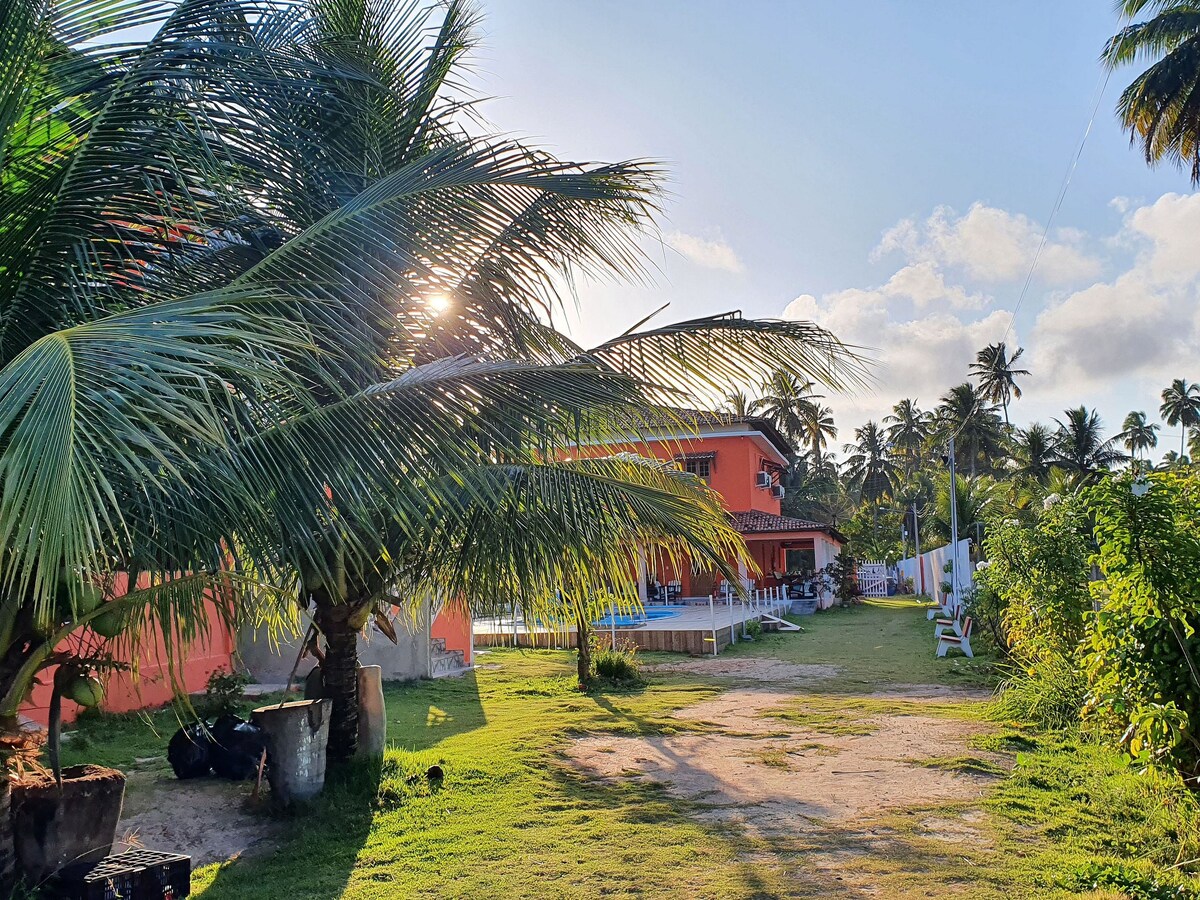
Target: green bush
{"x": 619, "y": 666}
{"x": 1142, "y": 656}
{"x": 225, "y": 694}
{"x": 754, "y": 628}
{"x": 1032, "y": 602}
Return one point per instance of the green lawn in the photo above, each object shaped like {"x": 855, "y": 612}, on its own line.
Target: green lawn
{"x": 513, "y": 820}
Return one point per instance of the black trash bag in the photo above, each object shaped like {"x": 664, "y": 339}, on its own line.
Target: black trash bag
{"x": 190, "y": 752}
{"x": 237, "y": 748}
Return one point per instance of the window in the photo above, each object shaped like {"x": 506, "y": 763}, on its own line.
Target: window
{"x": 800, "y": 562}
{"x": 700, "y": 466}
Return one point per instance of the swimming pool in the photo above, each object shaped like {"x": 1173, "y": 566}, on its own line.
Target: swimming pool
{"x": 649, "y": 614}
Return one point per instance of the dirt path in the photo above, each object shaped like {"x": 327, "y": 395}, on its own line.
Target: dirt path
{"x": 791, "y": 771}
{"x": 207, "y": 819}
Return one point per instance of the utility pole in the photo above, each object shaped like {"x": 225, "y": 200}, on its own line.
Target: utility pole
{"x": 953, "y": 523}
{"x": 919, "y": 588}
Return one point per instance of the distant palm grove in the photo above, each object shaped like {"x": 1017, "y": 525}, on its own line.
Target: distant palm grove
{"x": 898, "y": 464}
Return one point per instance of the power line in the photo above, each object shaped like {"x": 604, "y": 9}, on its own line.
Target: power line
{"x": 1098, "y": 93}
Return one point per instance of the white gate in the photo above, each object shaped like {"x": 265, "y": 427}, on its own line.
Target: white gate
{"x": 872, "y": 579}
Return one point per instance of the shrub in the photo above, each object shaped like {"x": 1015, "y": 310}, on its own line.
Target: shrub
{"x": 225, "y": 694}
{"x": 619, "y": 666}
{"x": 1142, "y": 656}
{"x": 754, "y": 628}
{"x": 1032, "y": 601}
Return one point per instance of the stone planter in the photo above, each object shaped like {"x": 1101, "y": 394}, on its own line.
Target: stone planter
{"x": 53, "y": 829}
{"x": 297, "y": 734}
{"x": 372, "y": 713}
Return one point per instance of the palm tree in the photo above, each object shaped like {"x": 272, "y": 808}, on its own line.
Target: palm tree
{"x": 1161, "y": 107}
{"x": 1181, "y": 407}
{"x": 309, "y": 331}
{"x": 785, "y": 402}
{"x": 1080, "y": 445}
{"x": 978, "y": 498}
{"x": 997, "y": 376}
{"x": 740, "y": 405}
{"x": 908, "y": 430}
{"x": 966, "y": 413}
{"x": 1035, "y": 452}
{"x": 869, "y": 469}
{"x": 1137, "y": 434}
{"x": 818, "y": 429}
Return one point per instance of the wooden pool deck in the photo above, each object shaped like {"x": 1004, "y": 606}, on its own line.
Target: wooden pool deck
{"x": 691, "y": 631}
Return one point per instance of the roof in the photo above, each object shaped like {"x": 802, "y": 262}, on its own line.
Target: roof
{"x": 699, "y": 418}
{"x": 755, "y": 522}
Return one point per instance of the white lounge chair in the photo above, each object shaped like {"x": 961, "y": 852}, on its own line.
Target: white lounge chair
{"x": 961, "y": 641}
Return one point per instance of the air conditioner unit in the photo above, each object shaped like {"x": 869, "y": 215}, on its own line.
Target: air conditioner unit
{"x": 777, "y": 492}
{"x": 763, "y": 480}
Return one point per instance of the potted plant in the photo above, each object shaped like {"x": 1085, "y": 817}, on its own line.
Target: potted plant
{"x": 62, "y": 815}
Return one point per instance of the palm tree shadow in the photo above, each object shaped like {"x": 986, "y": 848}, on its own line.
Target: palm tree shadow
{"x": 324, "y": 840}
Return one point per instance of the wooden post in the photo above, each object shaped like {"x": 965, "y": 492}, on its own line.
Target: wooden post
{"x": 712, "y": 613}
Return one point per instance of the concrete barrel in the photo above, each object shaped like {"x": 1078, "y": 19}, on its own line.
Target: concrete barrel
{"x": 297, "y": 733}
{"x": 372, "y": 713}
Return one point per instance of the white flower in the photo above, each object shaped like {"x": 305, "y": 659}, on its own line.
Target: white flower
{"x": 1050, "y": 500}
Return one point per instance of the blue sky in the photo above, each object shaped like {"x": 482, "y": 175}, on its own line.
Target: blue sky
{"x": 885, "y": 168}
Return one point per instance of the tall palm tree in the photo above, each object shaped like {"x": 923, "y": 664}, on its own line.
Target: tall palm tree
{"x": 1080, "y": 445}
{"x": 786, "y": 399}
{"x": 966, "y": 413}
{"x": 1181, "y": 407}
{"x": 818, "y": 429}
{"x": 1035, "y": 452}
{"x": 908, "y": 430}
{"x": 997, "y": 374}
{"x": 1137, "y": 434}
{"x": 869, "y": 469}
{"x": 1161, "y": 107}
{"x": 261, "y": 292}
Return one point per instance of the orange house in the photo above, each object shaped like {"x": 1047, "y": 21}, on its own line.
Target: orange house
{"x": 743, "y": 459}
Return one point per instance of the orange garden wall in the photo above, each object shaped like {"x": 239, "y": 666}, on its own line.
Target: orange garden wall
{"x": 454, "y": 624}
{"x": 151, "y": 686}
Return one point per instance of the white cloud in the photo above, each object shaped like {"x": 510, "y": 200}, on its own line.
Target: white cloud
{"x": 991, "y": 245}
{"x": 1143, "y": 325}
{"x": 711, "y": 253}
{"x": 1111, "y": 343}
{"x": 918, "y": 357}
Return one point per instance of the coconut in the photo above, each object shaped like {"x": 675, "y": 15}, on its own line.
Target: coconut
{"x": 109, "y": 623}
{"x": 86, "y": 690}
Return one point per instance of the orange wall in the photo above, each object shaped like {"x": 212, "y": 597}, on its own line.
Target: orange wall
{"x": 738, "y": 459}
{"x": 454, "y": 624}
{"x": 152, "y": 686}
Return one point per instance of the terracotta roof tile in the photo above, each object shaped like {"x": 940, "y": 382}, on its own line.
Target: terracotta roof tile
{"x": 755, "y": 522}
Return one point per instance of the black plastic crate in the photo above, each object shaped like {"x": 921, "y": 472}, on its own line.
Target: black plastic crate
{"x": 132, "y": 875}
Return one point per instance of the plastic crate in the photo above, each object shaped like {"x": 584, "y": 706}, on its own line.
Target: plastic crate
{"x": 132, "y": 875}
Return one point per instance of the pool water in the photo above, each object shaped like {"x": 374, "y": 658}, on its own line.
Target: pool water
{"x": 640, "y": 618}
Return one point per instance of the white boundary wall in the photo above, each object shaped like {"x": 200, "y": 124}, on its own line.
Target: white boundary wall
{"x": 934, "y": 565}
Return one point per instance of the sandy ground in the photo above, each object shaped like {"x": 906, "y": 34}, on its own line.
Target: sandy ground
{"x": 769, "y": 774}
{"x": 207, "y": 819}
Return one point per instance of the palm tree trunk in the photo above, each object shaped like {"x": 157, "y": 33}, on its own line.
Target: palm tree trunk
{"x": 340, "y": 676}
{"x": 1182, "y": 439}
{"x": 583, "y": 639}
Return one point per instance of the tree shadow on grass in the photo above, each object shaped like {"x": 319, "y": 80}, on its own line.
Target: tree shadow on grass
{"x": 324, "y": 840}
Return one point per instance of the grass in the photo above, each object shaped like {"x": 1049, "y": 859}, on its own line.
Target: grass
{"x": 891, "y": 645}
{"x": 512, "y": 819}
